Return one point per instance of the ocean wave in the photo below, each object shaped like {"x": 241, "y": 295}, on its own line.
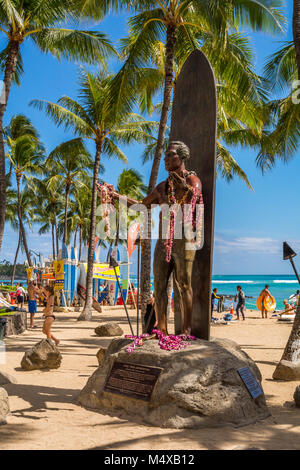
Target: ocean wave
{"x": 233, "y": 282}
{"x": 285, "y": 281}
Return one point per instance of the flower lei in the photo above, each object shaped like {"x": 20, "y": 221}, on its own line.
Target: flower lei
{"x": 189, "y": 216}
{"x": 166, "y": 342}
{"x": 106, "y": 198}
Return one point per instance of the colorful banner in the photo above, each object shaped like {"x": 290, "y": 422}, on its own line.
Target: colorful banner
{"x": 59, "y": 267}
{"x": 132, "y": 236}
{"x": 29, "y": 273}
{"x": 49, "y": 276}
{"x": 104, "y": 271}
{"x": 59, "y": 284}
{"x": 59, "y": 270}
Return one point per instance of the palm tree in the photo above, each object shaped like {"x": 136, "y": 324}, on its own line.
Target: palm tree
{"x": 47, "y": 204}
{"x": 188, "y": 24}
{"x": 281, "y": 133}
{"x": 41, "y": 22}
{"x": 241, "y": 112}
{"x": 130, "y": 183}
{"x": 70, "y": 163}
{"x": 27, "y": 213}
{"x": 296, "y": 32}
{"x": 183, "y": 24}
{"x": 25, "y": 154}
{"x": 79, "y": 215}
{"x": 96, "y": 118}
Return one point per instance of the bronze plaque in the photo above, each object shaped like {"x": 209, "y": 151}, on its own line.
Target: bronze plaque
{"x": 132, "y": 380}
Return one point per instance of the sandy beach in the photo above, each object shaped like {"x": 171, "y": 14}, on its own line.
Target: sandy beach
{"x": 45, "y": 414}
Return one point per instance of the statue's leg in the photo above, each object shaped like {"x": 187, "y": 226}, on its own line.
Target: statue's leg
{"x": 162, "y": 271}
{"x": 183, "y": 268}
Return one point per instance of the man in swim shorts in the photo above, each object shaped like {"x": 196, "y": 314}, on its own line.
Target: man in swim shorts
{"x": 33, "y": 291}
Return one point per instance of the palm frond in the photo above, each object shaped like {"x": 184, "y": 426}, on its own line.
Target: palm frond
{"x": 228, "y": 167}
{"x": 86, "y": 46}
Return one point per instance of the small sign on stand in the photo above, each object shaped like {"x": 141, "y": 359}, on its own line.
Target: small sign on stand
{"x": 132, "y": 380}
{"x": 250, "y": 382}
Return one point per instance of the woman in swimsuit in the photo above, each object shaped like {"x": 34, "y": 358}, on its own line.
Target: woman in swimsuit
{"x": 48, "y": 314}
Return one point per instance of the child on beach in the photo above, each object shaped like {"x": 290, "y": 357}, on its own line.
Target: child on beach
{"x": 48, "y": 314}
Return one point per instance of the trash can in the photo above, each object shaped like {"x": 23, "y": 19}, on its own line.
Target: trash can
{"x": 2, "y": 326}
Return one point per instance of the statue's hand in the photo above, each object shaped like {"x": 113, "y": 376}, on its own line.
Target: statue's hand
{"x": 178, "y": 180}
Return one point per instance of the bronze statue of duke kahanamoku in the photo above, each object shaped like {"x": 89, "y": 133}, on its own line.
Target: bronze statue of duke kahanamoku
{"x": 182, "y": 189}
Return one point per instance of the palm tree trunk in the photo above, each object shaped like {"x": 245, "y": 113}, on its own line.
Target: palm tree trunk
{"x": 56, "y": 235}
{"x": 16, "y": 258}
{"x": 86, "y": 313}
{"x": 66, "y": 213}
{"x": 53, "y": 241}
{"x": 10, "y": 68}
{"x": 21, "y": 223}
{"x": 296, "y": 32}
{"x": 291, "y": 353}
{"x": 146, "y": 245}
{"x": 75, "y": 238}
{"x": 80, "y": 242}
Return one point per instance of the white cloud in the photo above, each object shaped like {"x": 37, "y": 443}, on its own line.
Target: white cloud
{"x": 265, "y": 245}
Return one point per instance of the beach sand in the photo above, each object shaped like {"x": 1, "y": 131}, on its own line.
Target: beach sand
{"x": 45, "y": 414}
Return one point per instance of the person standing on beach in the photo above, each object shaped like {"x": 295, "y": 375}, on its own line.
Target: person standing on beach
{"x": 264, "y": 293}
{"x": 48, "y": 314}
{"x": 240, "y": 298}
{"x": 20, "y": 293}
{"x": 33, "y": 291}
{"x": 214, "y": 301}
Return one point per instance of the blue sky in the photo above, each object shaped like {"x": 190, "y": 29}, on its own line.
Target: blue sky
{"x": 249, "y": 225}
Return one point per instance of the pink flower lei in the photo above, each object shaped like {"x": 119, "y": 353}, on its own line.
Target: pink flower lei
{"x": 196, "y": 220}
{"x": 165, "y": 342}
{"x": 106, "y": 198}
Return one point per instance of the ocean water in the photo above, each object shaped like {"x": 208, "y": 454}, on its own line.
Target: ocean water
{"x": 281, "y": 286}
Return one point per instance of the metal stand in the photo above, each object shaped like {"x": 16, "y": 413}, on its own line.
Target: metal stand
{"x": 138, "y": 243}
{"x": 295, "y": 270}
{"x": 113, "y": 263}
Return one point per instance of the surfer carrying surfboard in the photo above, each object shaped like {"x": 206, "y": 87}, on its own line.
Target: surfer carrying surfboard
{"x": 264, "y": 294}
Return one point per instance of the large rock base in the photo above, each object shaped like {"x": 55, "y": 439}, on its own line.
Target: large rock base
{"x": 44, "y": 355}
{"x": 199, "y": 386}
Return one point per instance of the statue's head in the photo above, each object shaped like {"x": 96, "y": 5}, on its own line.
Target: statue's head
{"x": 176, "y": 154}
